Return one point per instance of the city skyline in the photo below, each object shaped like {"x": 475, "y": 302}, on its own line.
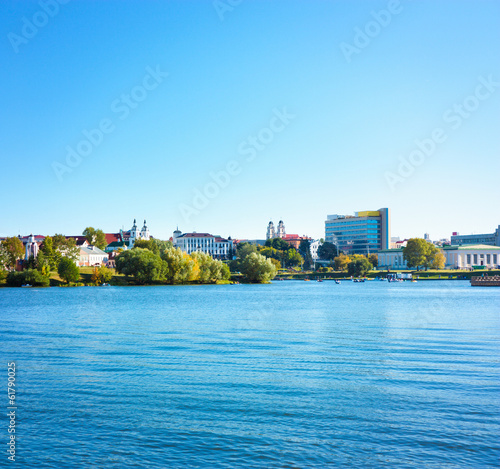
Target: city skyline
{"x": 220, "y": 118}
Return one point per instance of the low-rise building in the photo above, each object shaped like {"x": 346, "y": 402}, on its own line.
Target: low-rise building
{"x": 90, "y": 256}
{"x": 215, "y": 245}
{"x": 391, "y": 259}
{"x": 313, "y": 247}
{"x": 466, "y": 257}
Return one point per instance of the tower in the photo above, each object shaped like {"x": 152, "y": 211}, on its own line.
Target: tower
{"x": 145, "y": 232}
{"x": 281, "y": 230}
{"x": 177, "y": 233}
{"x": 134, "y": 234}
{"x": 270, "y": 231}
{"x": 31, "y": 248}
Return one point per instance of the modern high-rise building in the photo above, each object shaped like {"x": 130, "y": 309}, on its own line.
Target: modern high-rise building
{"x": 366, "y": 232}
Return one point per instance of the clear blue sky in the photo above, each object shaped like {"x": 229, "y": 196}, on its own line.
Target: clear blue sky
{"x": 352, "y": 113}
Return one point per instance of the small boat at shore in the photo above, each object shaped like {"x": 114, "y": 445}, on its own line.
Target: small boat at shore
{"x": 27, "y": 285}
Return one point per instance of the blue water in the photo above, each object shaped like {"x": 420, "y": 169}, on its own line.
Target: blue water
{"x": 288, "y": 375}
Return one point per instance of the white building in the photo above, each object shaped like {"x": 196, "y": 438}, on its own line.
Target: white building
{"x": 216, "y": 246}
{"x": 31, "y": 248}
{"x": 314, "y": 246}
{"x": 391, "y": 259}
{"x": 91, "y": 255}
{"x": 131, "y": 236}
{"x": 271, "y": 233}
{"x": 465, "y": 257}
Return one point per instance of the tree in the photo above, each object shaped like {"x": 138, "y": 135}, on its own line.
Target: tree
{"x": 154, "y": 245}
{"x": 420, "y": 253}
{"x": 293, "y": 258}
{"x": 435, "y": 258}
{"x": 327, "y": 251}
{"x": 29, "y": 276}
{"x": 341, "y": 262}
{"x": 101, "y": 275}
{"x": 68, "y": 270}
{"x": 359, "y": 267}
{"x": 257, "y": 269}
{"x": 180, "y": 266}
{"x": 210, "y": 270}
{"x": 245, "y": 249}
{"x": 142, "y": 264}
{"x": 95, "y": 237}
{"x": 11, "y": 249}
{"x": 305, "y": 252}
{"x": 373, "y": 258}
{"x": 278, "y": 243}
{"x": 65, "y": 247}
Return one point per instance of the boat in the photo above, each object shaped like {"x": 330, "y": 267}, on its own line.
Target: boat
{"x": 27, "y": 285}
{"x": 337, "y": 282}
{"x": 319, "y": 280}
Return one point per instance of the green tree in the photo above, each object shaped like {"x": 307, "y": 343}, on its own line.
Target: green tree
{"x": 435, "y": 258}
{"x": 327, "y": 251}
{"x": 11, "y": 249}
{"x": 210, "y": 270}
{"x": 278, "y": 243}
{"x": 68, "y": 270}
{"x": 373, "y": 258}
{"x": 419, "y": 253}
{"x": 359, "y": 267}
{"x": 305, "y": 252}
{"x": 257, "y": 269}
{"x": 181, "y": 267}
{"x": 65, "y": 247}
{"x": 101, "y": 275}
{"x": 154, "y": 245}
{"x": 95, "y": 237}
{"x": 142, "y": 264}
{"x": 245, "y": 249}
{"x": 293, "y": 258}
{"x": 27, "y": 277}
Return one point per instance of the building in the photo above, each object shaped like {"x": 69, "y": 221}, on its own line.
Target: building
{"x": 490, "y": 239}
{"x": 391, "y": 259}
{"x": 278, "y": 233}
{"x": 216, "y": 246}
{"x": 270, "y": 233}
{"x": 132, "y": 235}
{"x": 366, "y": 232}
{"x": 90, "y": 256}
{"x": 457, "y": 257}
{"x": 314, "y": 246}
{"x": 466, "y": 257}
{"x": 294, "y": 240}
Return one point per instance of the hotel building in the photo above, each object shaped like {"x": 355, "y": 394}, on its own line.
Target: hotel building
{"x": 366, "y": 232}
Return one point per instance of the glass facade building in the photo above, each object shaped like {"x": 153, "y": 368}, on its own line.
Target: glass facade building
{"x": 364, "y": 233}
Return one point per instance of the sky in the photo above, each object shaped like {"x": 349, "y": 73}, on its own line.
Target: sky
{"x": 219, "y": 116}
